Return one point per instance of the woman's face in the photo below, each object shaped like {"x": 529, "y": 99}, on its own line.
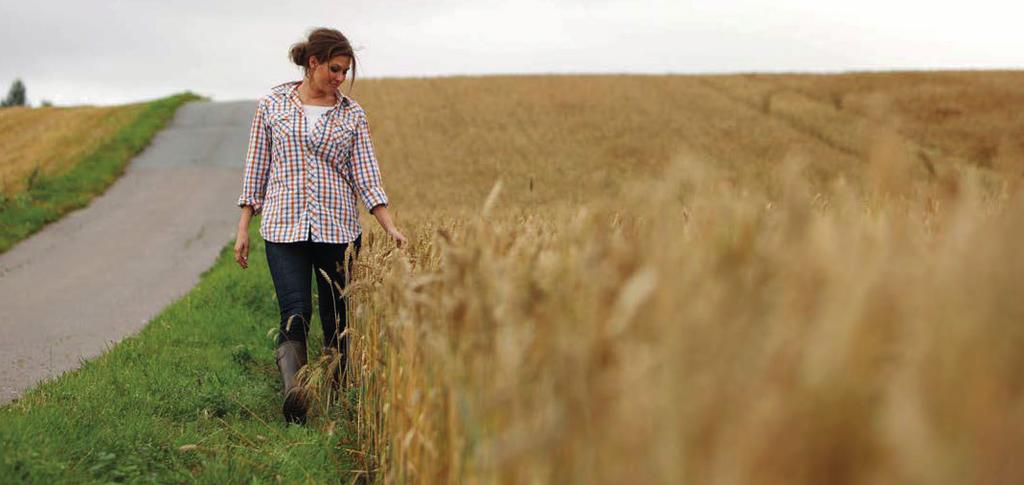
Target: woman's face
{"x": 328, "y": 76}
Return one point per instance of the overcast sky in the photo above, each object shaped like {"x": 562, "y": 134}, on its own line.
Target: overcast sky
{"x": 104, "y": 52}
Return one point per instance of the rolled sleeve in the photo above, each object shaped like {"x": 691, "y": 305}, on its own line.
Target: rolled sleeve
{"x": 257, "y": 161}
{"x": 364, "y": 169}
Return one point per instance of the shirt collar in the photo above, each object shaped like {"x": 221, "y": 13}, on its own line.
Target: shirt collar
{"x": 293, "y": 95}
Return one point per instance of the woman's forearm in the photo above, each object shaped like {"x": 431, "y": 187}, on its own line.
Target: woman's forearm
{"x": 383, "y": 218}
{"x": 243, "y": 220}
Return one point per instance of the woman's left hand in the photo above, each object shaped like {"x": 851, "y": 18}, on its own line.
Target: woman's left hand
{"x": 397, "y": 236}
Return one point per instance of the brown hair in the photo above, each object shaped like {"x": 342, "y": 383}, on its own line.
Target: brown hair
{"x": 324, "y": 44}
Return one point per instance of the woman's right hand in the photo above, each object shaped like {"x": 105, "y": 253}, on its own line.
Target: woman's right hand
{"x": 242, "y": 248}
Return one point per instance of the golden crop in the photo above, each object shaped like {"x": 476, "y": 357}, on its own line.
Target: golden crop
{"x": 669, "y": 279}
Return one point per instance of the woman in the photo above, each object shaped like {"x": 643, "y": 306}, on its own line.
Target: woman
{"x": 309, "y": 157}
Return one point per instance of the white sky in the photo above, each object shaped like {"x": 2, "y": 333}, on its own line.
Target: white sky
{"x": 107, "y": 51}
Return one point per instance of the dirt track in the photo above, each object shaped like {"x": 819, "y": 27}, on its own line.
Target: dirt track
{"x": 99, "y": 274}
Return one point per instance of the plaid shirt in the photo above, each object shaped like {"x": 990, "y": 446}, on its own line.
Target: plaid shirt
{"x": 304, "y": 180}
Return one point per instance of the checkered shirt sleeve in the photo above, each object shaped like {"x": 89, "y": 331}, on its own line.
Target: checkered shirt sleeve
{"x": 364, "y": 169}
{"x": 257, "y": 161}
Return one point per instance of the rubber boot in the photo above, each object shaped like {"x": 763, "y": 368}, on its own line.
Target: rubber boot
{"x": 291, "y": 356}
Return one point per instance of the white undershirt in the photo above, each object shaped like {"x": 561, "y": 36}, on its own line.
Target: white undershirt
{"x": 313, "y": 113}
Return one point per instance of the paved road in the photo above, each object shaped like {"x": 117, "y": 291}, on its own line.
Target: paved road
{"x": 99, "y": 274}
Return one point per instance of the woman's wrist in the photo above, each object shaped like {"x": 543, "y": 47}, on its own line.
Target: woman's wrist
{"x": 245, "y": 217}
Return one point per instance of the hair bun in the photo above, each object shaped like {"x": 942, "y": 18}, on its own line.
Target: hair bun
{"x": 298, "y": 53}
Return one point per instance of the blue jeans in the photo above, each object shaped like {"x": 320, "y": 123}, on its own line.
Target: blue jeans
{"x": 291, "y": 265}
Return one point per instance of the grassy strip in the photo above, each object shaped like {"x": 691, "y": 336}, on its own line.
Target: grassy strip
{"x": 201, "y": 373}
{"x": 49, "y": 198}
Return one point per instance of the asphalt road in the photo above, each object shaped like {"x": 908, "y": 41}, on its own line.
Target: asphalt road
{"x": 82, "y": 284}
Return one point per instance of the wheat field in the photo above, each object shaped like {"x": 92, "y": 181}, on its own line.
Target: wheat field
{"x": 51, "y": 140}
{"x": 694, "y": 279}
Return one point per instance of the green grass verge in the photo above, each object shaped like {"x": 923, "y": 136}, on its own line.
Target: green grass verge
{"x": 49, "y": 198}
{"x": 200, "y": 373}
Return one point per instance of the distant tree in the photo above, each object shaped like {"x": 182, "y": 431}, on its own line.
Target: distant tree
{"x": 16, "y": 95}
{"x": 46, "y": 103}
